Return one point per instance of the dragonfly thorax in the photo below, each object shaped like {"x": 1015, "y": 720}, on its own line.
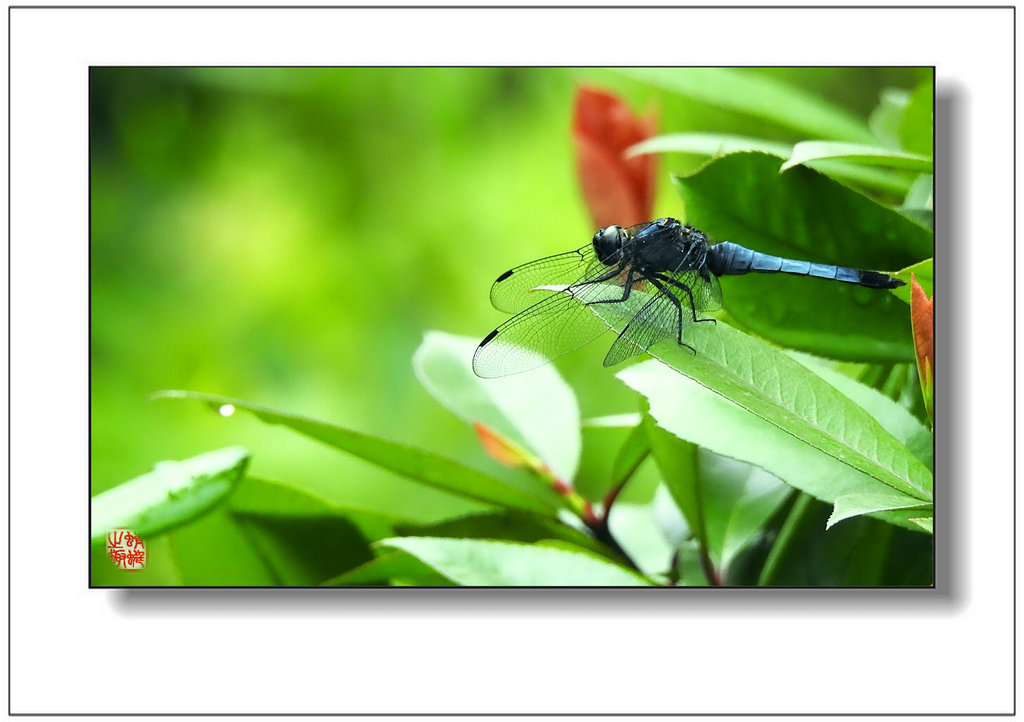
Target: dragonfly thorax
{"x": 666, "y": 245}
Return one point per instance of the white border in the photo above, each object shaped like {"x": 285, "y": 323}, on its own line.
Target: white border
{"x": 99, "y": 651}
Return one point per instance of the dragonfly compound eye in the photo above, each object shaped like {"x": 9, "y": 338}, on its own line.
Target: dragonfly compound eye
{"x": 608, "y": 242}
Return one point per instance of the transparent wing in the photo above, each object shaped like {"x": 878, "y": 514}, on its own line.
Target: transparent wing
{"x": 706, "y": 290}
{"x": 657, "y": 320}
{"x": 514, "y": 289}
{"x": 676, "y": 301}
{"x": 548, "y": 329}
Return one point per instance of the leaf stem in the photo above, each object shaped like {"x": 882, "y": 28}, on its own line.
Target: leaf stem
{"x": 601, "y": 531}
{"x": 710, "y": 573}
{"x": 620, "y": 483}
{"x": 787, "y": 533}
{"x": 610, "y": 498}
{"x": 598, "y": 523}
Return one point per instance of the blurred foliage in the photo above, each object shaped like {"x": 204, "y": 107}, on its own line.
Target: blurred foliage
{"x": 287, "y": 236}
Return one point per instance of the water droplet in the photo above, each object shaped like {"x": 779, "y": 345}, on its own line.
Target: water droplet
{"x": 226, "y": 410}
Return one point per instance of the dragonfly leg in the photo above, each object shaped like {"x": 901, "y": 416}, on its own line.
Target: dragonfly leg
{"x": 600, "y": 279}
{"x": 679, "y": 311}
{"x": 625, "y": 293}
{"x": 683, "y": 287}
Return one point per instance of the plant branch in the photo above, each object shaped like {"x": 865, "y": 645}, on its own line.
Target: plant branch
{"x": 601, "y": 531}
{"x": 610, "y": 497}
{"x": 620, "y": 483}
{"x": 598, "y": 523}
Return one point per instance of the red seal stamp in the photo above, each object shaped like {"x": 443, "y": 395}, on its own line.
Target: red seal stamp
{"x": 126, "y": 550}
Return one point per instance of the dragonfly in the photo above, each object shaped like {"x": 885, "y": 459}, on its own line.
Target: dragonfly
{"x": 654, "y": 277}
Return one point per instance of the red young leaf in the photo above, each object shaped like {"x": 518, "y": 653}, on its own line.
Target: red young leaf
{"x": 499, "y": 447}
{"x": 617, "y": 190}
{"x": 505, "y": 451}
{"x": 921, "y": 320}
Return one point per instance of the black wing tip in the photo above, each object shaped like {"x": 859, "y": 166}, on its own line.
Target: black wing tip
{"x": 503, "y": 276}
{"x": 479, "y": 367}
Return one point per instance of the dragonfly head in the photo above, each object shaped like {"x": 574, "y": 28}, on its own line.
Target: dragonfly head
{"x": 608, "y": 244}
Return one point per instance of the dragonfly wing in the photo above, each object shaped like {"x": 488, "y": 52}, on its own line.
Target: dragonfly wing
{"x": 695, "y": 289}
{"x": 707, "y": 291}
{"x": 657, "y": 320}
{"x": 514, "y": 290}
{"x": 676, "y": 302}
{"x": 557, "y": 324}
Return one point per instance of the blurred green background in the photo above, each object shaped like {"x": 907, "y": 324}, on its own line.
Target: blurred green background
{"x": 286, "y": 236}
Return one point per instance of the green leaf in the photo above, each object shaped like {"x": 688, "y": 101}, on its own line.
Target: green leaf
{"x": 812, "y": 150}
{"x": 925, "y": 523}
{"x": 264, "y": 497}
{"x": 714, "y": 144}
{"x": 920, "y": 193}
{"x": 215, "y": 551}
{"x": 918, "y": 203}
{"x": 689, "y": 566}
{"x": 737, "y": 499}
{"x": 612, "y": 421}
{"x": 538, "y": 410}
{"x": 922, "y": 272}
{"x": 760, "y": 97}
{"x": 894, "y": 418}
{"x": 630, "y": 456}
{"x": 921, "y": 216}
{"x": 636, "y": 530}
{"x": 724, "y": 502}
{"x": 916, "y": 128}
{"x": 390, "y": 566}
{"x": 677, "y": 460}
{"x": 760, "y": 397}
{"x": 479, "y": 563}
{"x": 867, "y": 503}
{"x": 416, "y": 464}
{"x": 881, "y": 180}
{"x": 174, "y": 493}
{"x": 505, "y": 526}
{"x": 885, "y": 119}
{"x": 668, "y": 517}
{"x": 860, "y": 552}
{"x": 304, "y": 551}
{"x": 802, "y": 214}
{"x": 305, "y": 539}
